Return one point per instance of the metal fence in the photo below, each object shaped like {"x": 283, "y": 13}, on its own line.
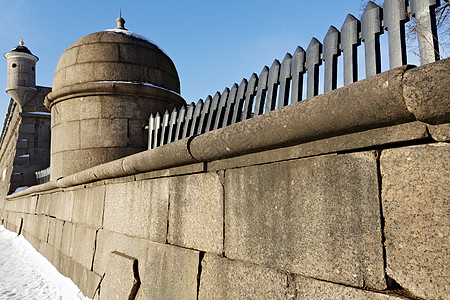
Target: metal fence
{"x": 43, "y": 176}
{"x": 282, "y": 83}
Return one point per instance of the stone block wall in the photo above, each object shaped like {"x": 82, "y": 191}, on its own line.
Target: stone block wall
{"x": 26, "y": 145}
{"x": 280, "y": 224}
{"x": 360, "y": 214}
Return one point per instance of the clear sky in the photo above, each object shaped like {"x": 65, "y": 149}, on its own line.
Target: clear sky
{"x": 212, "y": 43}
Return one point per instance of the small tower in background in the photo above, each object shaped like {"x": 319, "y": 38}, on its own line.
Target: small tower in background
{"x": 21, "y": 74}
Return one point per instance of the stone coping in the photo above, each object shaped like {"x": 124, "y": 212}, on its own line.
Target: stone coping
{"x": 113, "y": 88}
{"x": 387, "y": 99}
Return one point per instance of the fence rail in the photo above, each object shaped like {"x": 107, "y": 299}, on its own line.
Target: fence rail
{"x": 282, "y": 83}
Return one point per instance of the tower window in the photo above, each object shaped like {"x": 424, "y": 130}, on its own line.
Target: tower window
{"x": 32, "y": 68}
{"x": 14, "y": 65}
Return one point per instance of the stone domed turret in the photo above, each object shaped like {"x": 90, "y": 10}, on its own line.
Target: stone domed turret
{"x": 105, "y": 87}
{"x": 21, "y": 74}
{"x": 115, "y": 54}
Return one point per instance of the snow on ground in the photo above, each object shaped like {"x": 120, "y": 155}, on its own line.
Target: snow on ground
{"x": 26, "y": 274}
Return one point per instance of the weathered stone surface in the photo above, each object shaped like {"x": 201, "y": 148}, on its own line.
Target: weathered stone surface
{"x": 88, "y": 206}
{"x": 369, "y": 138}
{"x": 70, "y": 162}
{"x": 43, "y": 204}
{"x": 440, "y": 133}
{"x": 42, "y": 227}
{"x": 62, "y": 205}
{"x": 121, "y": 280}
{"x": 169, "y": 273}
{"x": 318, "y": 217}
{"x": 426, "y": 90}
{"x": 34, "y": 241}
{"x": 222, "y": 278}
{"x": 49, "y": 252}
{"x": 415, "y": 191}
{"x": 108, "y": 241}
{"x": 166, "y": 272}
{"x": 66, "y": 136}
{"x": 55, "y": 228}
{"x": 182, "y": 170}
{"x": 29, "y": 204}
{"x": 93, "y": 133}
{"x": 67, "y": 239}
{"x": 196, "y": 212}
{"x": 90, "y": 52}
{"x": 85, "y": 279}
{"x": 83, "y": 245}
{"x": 311, "y": 289}
{"x": 138, "y": 208}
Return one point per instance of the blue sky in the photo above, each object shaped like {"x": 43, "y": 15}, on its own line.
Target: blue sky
{"x": 212, "y": 43}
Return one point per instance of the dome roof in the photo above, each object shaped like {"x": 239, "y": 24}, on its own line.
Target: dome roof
{"x": 115, "y": 55}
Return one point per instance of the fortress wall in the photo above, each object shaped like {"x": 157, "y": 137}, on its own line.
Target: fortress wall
{"x": 356, "y": 215}
{"x": 7, "y": 154}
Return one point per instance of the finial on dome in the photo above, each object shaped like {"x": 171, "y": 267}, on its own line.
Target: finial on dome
{"x": 21, "y": 42}
{"x": 120, "y": 22}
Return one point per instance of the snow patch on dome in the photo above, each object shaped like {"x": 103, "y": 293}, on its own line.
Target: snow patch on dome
{"x": 134, "y": 35}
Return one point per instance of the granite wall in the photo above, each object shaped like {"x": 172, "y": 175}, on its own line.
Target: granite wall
{"x": 358, "y": 214}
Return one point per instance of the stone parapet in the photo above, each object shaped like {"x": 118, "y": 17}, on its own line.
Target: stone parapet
{"x": 357, "y": 214}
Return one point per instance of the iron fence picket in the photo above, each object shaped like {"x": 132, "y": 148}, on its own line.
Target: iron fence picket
{"x": 298, "y": 71}
{"x": 313, "y": 61}
{"x": 272, "y": 86}
{"x": 180, "y": 123}
{"x": 370, "y": 33}
{"x": 394, "y": 19}
{"x": 221, "y": 109}
{"x": 212, "y": 112}
{"x": 425, "y": 17}
{"x": 285, "y": 81}
{"x": 230, "y": 105}
{"x": 196, "y": 118}
{"x": 172, "y": 125}
{"x": 164, "y": 128}
{"x": 157, "y": 130}
{"x": 331, "y": 52}
{"x": 249, "y": 97}
{"x": 188, "y": 120}
{"x": 350, "y": 40}
{"x": 239, "y": 103}
{"x": 261, "y": 91}
{"x": 204, "y": 115}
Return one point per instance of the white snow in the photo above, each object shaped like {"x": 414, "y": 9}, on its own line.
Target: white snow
{"x": 26, "y": 274}
{"x": 43, "y": 113}
{"x": 143, "y": 83}
{"x": 20, "y": 188}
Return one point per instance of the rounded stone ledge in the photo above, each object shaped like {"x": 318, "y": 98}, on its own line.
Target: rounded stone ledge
{"x": 170, "y": 155}
{"x": 107, "y": 170}
{"x": 113, "y": 88}
{"x": 367, "y": 104}
{"x": 167, "y": 156}
{"x": 427, "y": 92}
{"x": 34, "y": 189}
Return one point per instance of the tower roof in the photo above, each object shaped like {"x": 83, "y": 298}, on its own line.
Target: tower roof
{"x": 116, "y": 55}
{"x": 22, "y": 49}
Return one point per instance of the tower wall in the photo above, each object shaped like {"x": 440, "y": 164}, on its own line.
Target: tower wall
{"x": 21, "y": 69}
{"x": 105, "y": 87}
